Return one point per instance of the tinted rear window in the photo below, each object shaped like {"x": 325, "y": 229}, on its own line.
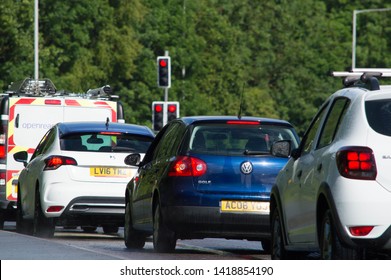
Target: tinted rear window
{"x": 230, "y": 139}
{"x": 113, "y": 143}
{"x": 379, "y": 115}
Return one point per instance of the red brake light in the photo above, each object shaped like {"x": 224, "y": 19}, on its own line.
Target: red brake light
{"x": 3, "y": 137}
{"x": 54, "y": 162}
{"x": 360, "y": 230}
{"x": 187, "y": 166}
{"x": 110, "y": 133}
{"x": 52, "y": 209}
{"x": 357, "y": 163}
{"x": 244, "y": 122}
{"x": 2, "y": 151}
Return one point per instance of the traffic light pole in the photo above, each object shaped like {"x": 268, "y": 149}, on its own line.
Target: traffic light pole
{"x": 165, "y": 106}
{"x": 165, "y": 99}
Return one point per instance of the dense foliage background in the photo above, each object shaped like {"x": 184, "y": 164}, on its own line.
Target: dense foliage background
{"x": 278, "y": 53}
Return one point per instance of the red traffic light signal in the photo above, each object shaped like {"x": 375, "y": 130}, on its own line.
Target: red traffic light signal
{"x": 164, "y": 71}
{"x": 157, "y": 115}
{"x": 164, "y": 112}
{"x": 172, "y": 111}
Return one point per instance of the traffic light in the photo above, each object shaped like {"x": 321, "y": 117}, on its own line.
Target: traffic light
{"x": 164, "y": 71}
{"x": 172, "y": 111}
{"x": 157, "y": 115}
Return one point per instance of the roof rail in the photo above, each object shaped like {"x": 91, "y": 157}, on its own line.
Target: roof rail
{"x": 102, "y": 92}
{"x": 363, "y": 77}
{"x": 31, "y": 86}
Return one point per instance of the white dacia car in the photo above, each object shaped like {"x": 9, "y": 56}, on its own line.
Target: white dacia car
{"x": 334, "y": 194}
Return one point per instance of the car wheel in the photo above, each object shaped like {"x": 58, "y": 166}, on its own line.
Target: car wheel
{"x": 164, "y": 240}
{"x": 22, "y": 226}
{"x": 89, "y": 229}
{"x": 331, "y": 247}
{"x": 278, "y": 251}
{"x": 110, "y": 229}
{"x": 133, "y": 239}
{"x": 42, "y": 227}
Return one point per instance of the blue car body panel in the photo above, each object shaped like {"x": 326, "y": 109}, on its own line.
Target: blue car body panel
{"x": 191, "y": 205}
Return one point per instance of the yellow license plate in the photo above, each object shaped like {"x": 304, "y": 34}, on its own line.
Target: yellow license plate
{"x": 109, "y": 172}
{"x": 240, "y": 206}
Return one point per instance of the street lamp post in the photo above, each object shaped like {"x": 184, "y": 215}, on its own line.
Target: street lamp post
{"x": 36, "y": 41}
{"x": 355, "y": 13}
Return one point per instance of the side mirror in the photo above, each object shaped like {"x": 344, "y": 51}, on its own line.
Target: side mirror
{"x": 281, "y": 148}
{"x": 21, "y": 157}
{"x": 133, "y": 159}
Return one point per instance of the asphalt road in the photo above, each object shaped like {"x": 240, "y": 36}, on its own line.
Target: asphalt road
{"x": 77, "y": 245}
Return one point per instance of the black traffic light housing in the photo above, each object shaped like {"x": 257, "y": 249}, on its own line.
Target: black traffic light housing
{"x": 172, "y": 111}
{"x": 157, "y": 115}
{"x": 164, "y": 71}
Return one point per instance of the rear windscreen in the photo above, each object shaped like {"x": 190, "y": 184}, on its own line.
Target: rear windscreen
{"x": 379, "y": 115}
{"x": 107, "y": 142}
{"x": 230, "y": 139}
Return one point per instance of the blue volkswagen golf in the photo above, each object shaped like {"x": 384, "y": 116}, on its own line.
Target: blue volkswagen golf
{"x": 205, "y": 177}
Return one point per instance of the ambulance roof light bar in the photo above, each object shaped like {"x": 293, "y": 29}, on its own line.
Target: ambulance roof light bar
{"x": 30, "y": 86}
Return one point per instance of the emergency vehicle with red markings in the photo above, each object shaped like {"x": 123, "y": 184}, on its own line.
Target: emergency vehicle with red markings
{"x": 28, "y": 109}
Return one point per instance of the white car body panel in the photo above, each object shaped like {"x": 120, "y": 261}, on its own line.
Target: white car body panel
{"x": 356, "y": 202}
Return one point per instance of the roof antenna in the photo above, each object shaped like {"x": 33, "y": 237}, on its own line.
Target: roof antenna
{"x": 107, "y": 123}
{"x": 241, "y": 103}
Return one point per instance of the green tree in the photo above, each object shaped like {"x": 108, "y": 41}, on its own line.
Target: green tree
{"x": 275, "y": 55}
{"x": 17, "y": 40}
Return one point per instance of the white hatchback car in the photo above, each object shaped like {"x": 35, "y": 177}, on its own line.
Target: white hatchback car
{"x": 334, "y": 194}
{"x": 77, "y": 176}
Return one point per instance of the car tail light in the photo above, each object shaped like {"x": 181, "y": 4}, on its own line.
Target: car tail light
{"x": 53, "y": 209}
{"x": 187, "y": 166}
{"x": 54, "y": 162}
{"x": 360, "y": 230}
{"x": 2, "y": 177}
{"x": 3, "y": 140}
{"x": 244, "y": 122}
{"x": 3, "y": 152}
{"x": 357, "y": 163}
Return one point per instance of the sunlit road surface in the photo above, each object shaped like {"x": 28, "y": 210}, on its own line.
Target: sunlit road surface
{"x": 98, "y": 245}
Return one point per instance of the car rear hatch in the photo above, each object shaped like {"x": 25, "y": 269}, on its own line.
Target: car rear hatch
{"x": 244, "y": 175}
{"x": 378, "y": 112}
{"x": 100, "y": 167}
{"x": 100, "y": 155}
{"x": 237, "y": 157}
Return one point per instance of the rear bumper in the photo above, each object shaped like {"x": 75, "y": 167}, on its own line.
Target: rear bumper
{"x": 93, "y": 211}
{"x": 382, "y": 242}
{"x": 202, "y": 222}
{"x": 357, "y": 208}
